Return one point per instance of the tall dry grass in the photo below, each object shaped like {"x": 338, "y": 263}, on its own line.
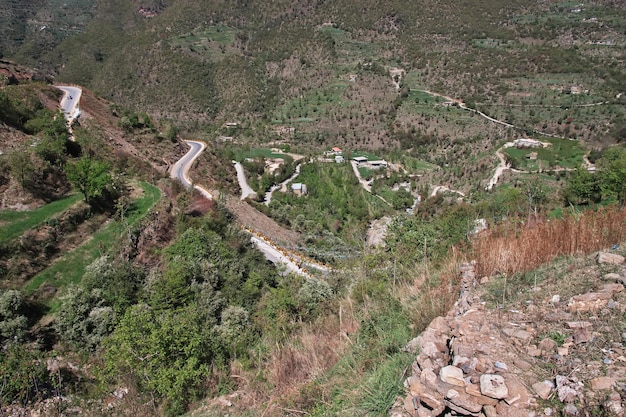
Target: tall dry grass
{"x": 433, "y": 291}
{"x": 514, "y": 249}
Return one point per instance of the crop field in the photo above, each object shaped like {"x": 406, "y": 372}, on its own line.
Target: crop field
{"x": 352, "y": 50}
{"x": 493, "y": 43}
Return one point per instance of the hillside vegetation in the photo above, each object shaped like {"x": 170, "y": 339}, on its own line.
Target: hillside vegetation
{"x": 490, "y": 132}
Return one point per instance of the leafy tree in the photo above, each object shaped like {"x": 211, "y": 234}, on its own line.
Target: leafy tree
{"x": 21, "y": 167}
{"x": 13, "y": 321}
{"x": 23, "y": 375}
{"x": 234, "y": 328}
{"x": 582, "y": 187}
{"x": 170, "y": 352}
{"x": 612, "y": 167}
{"x": 84, "y": 319}
{"x": 118, "y": 282}
{"x": 53, "y": 144}
{"x": 91, "y": 177}
{"x": 402, "y": 199}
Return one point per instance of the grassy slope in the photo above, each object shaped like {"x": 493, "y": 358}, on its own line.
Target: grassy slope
{"x": 71, "y": 267}
{"x": 15, "y": 223}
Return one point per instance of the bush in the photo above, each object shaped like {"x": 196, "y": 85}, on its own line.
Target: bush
{"x": 13, "y": 321}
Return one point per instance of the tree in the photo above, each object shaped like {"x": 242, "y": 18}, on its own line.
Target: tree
{"x": 402, "y": 199}
{"x": 169, "y": 352}
{"x": 53, "y": 145}
{"x": 613, "y": 174}
{"x": 91, "y": 177}
{"x": 582, "y": 187}
{"x": 13, "y": 322}
{"x": 84, "y": 319}
{"x": 21, "y": 167}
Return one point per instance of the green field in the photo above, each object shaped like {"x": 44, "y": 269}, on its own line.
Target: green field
{"x": 70, "y": 268}
{"x": 562, "y": 153}
{"x": 240, "y": 155}
{"x": 15, "y": 223}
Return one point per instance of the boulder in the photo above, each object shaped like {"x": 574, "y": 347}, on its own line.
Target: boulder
{"x": 463, "y": 400}
{"x": 602, "y": 383}
{"x": 543, "y": 389}
{"x": 452, "y": 375}
{"x": 610, "y": 258}
{"x": 493, "y": 386}
{"x": 548, "y": 346}
{"x": 615, "y": 278}
{"x": 474, "y": 391}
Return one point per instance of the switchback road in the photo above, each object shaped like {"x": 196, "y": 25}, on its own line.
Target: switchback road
{"x": 180, "y": 169}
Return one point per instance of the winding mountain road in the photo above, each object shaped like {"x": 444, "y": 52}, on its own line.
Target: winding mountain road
{"x": 69, "y": 102}
{"x": 180, "y": 170}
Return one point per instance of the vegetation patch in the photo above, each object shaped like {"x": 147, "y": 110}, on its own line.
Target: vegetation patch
{"x": 211, "y": 42}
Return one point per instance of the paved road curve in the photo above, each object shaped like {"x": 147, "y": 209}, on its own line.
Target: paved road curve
{"x": 69, "y": 102}
{"x": 180, "y": 169}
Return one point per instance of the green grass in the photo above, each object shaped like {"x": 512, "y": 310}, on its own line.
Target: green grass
{"x": 70, "y": 268}
{"x": 412, "y": 164}
{"x": 15, "y": 223}
{"x": 369, "y": 156}
{"x": 263, "y": 152}
{"x": 562, "y": 153}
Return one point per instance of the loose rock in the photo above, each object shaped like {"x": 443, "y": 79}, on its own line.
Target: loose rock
{"x": 493, "y": 386}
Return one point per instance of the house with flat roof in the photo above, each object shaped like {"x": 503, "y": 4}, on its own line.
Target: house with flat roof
{"x": 360, "y": 159}
{"x": 299, "y": 189}
{"x": 378, "y": 164}
{"x": 527, "y": 143}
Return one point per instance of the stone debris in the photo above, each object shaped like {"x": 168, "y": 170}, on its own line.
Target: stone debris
{"x": 566, "y": 389}
{"x": 477, "y": 361}
{"x": 592, "y": 301}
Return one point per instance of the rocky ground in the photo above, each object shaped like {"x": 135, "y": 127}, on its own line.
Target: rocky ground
{"x": 547, "y": 352}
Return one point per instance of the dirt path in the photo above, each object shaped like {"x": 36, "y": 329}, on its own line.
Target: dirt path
{"x": 246, "y": 190}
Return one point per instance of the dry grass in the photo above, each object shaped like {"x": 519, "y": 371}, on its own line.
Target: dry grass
{"x": 512, "y": 249}
{"x": 310, "y": 353}
{"x": 433, "y": 292}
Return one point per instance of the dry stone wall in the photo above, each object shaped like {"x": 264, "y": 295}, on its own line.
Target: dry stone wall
{"x": 484, "y": 362}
